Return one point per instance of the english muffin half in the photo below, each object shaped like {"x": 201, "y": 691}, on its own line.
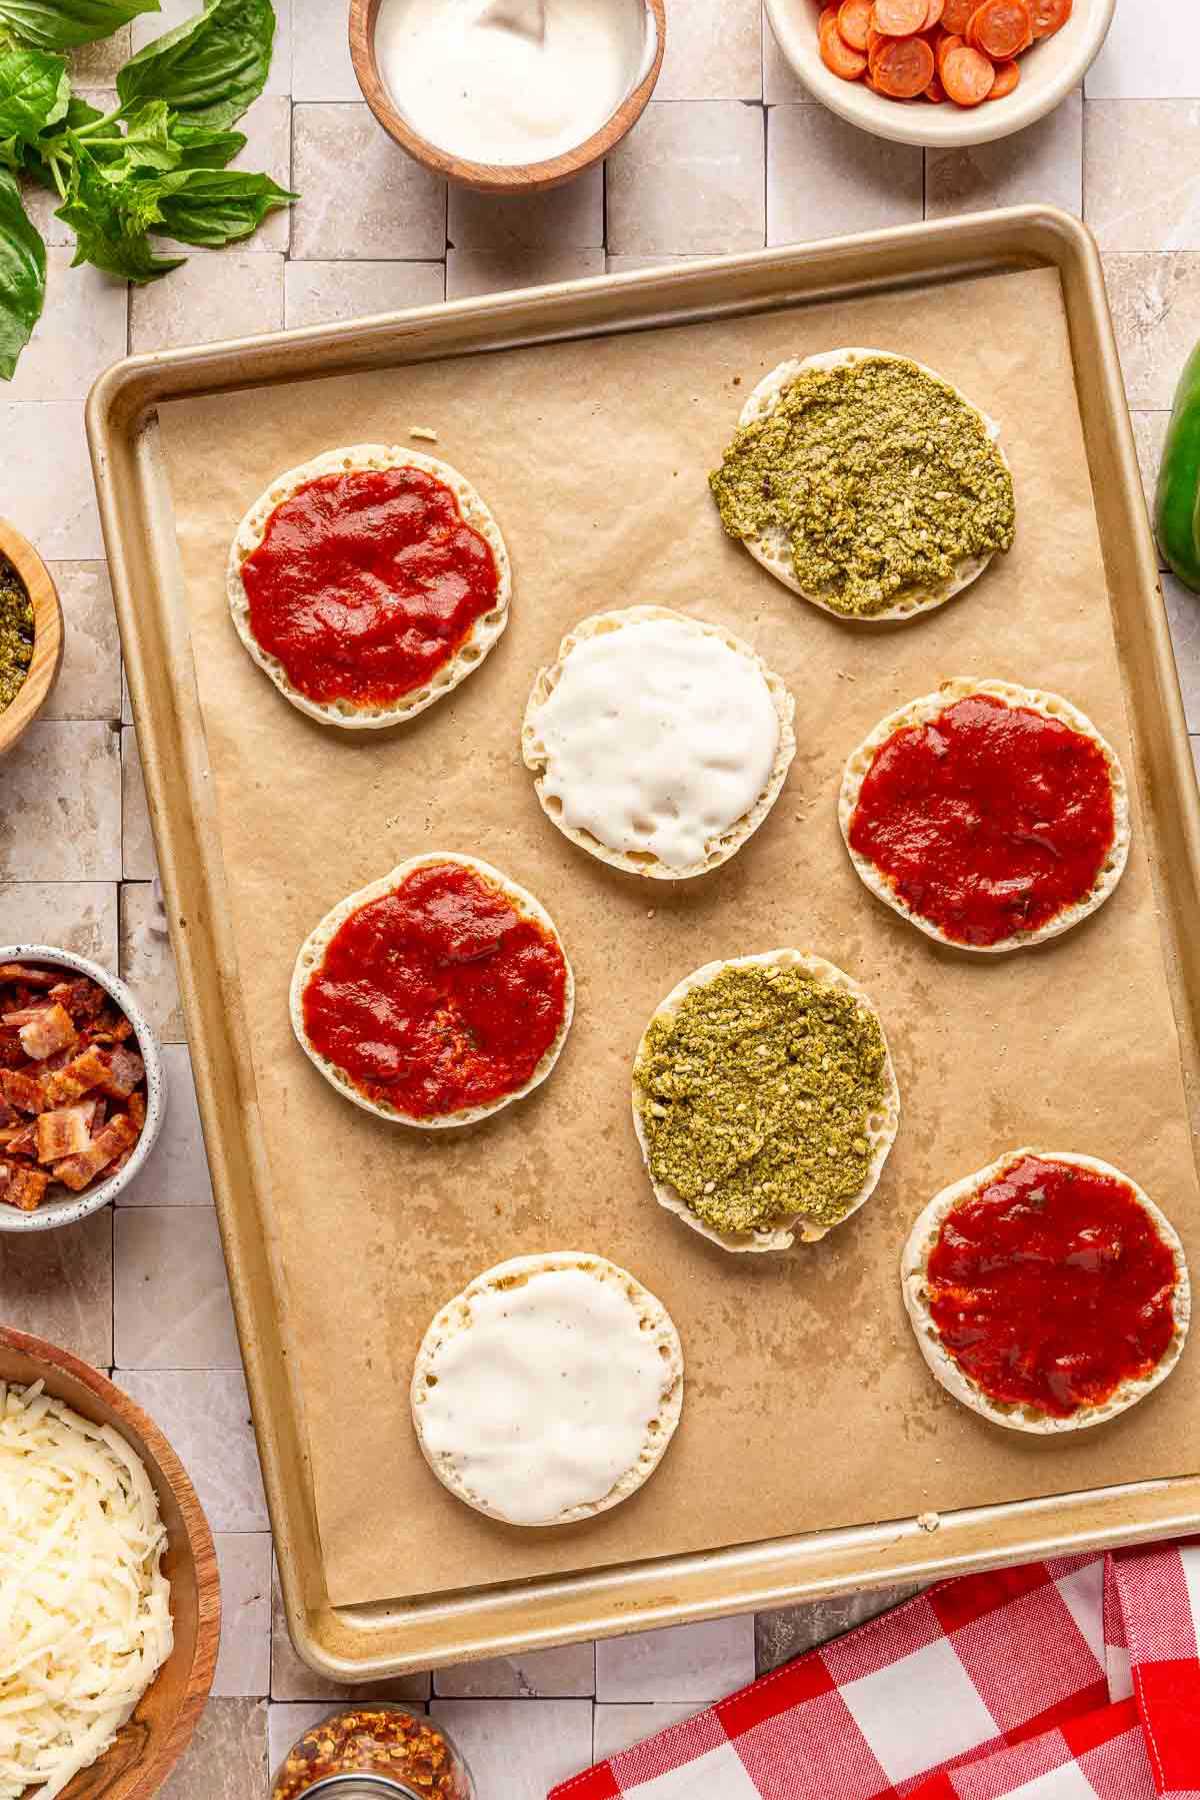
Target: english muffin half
{"x": 339, "y": 609}
{"x": 658, "y": 743}
{"x": 1047, "y": 1291}
{"x": 548, "y": 1390}
{"x": 970, "y": 852}
{"x": 764, "y": 1099}
{"x": 427, "y": 1023}
{"x": 888, "y": 520}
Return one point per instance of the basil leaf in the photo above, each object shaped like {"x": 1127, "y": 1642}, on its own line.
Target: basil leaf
{"x": 79, "y": 112}
{"x": 22, "y": 275}
{"x": 219, "y": 206}
{"x": 201, "y": 147}
{"x": 34, "y": 91}
{"x": 210, "y": 67}
{"x": 109, "y": 219}
{"x": 60, "y": 24}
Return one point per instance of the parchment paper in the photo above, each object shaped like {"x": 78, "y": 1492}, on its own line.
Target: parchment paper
{"x": 807, "y": 1404}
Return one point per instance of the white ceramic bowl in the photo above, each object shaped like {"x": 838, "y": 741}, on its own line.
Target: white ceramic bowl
{"x": 66, "y": 1208}
{"x": 1048, "y": 73}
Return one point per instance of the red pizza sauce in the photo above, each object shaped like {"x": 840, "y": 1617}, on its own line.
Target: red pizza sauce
{"x": 439, "y": 996}
{"x": 366, "y": 583}
{"x": 987, "y": 821}
{"x": 1052, "y": 1286}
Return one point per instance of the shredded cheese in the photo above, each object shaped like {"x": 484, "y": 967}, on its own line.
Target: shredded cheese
{"x": 85, "y": 1621}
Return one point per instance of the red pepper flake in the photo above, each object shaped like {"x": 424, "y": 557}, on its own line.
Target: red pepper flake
{"x": 385, "y": 1741}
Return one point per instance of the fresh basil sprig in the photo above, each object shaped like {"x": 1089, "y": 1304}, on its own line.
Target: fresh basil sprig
{"x": 111, "y": 222}
{"x": 61, "y": 24}
{"x": 210, "y": 67}
{"x": 22, "y": 275}
{"x": 154, "y": 166}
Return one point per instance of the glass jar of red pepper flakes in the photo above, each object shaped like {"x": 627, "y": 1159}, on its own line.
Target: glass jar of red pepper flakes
{"x": 376, "y": 1752}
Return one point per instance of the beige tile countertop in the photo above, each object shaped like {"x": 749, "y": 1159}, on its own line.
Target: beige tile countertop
{"x": 730, "y": 156}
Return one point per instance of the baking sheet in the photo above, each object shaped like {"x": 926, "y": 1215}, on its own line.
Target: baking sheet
{"x": 807, "y": 1404}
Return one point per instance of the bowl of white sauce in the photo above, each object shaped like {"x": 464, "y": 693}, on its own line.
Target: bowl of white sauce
{"x": 507, "y": 95}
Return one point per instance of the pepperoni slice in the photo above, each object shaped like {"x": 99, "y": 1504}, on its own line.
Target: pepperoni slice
{"x": 935, "y": 92}
{"x": 874, "y": 40}
{"x": 1049, "y": 16}
{"x": 947, "y": 42}
{"x": 836, "y": 53}
{"x": 1007, "y": 76}
{"x": 854, "y": 22}
{"x": 957, "y": 15}
{"x": 903, "y": 68}
{"x": 933, "y": 14}
{"x": 899, "y": 18}
{"x": 1001, "y": 29}
{"x": 967, "y": 75}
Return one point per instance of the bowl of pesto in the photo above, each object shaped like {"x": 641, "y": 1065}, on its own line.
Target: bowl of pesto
{"x": 31, "y": 634}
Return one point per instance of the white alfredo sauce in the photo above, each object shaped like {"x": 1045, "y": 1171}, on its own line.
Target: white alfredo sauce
{"x": 511, "y": 81}
{"x": 543, "y": 1401}
{"x": 658, "y": 738}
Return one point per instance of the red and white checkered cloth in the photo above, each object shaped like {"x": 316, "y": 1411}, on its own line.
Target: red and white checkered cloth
{"x": 1076, "y": 1679}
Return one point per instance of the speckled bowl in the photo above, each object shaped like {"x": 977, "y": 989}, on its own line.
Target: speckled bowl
{"x": 71, "y": 1207}
{"x": 1048, "y": 73}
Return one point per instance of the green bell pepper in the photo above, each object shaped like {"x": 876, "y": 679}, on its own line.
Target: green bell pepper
{"x": 1177, "y": 501}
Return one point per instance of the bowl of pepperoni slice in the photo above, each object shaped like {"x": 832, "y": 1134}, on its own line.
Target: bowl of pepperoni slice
{"x": 941, "y": 72}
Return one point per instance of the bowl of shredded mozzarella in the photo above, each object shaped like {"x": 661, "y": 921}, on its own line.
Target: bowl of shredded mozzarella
{"x": 109, "y": 1601}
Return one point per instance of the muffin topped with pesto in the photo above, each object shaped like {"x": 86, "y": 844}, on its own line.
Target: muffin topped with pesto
{"x": 866, "y": 484}
{"x": 764, "y": 1099}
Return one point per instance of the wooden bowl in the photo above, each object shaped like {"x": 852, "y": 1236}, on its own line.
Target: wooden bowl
{"x": 148, "y": 1747}
{"x": 496, "y": 178}
{"x": 47, "y": 634}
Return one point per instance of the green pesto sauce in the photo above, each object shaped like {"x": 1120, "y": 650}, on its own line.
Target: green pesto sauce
{"x": 16, "y": 633}
{"x": 880, "y": 476}
{"x": 755, "y": 1096}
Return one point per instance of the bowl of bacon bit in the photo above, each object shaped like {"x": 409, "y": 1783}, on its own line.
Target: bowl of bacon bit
{"x": 81, "y": 1087}
{"x": 941, "y": 72}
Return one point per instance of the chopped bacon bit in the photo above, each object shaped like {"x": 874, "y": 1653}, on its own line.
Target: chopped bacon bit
{"x": 125, "y": 1069}
{"x": 25, "y": 1188}
{"x": 27, "y": 976}
{"x": 22, "y": 1091}
{"x": 137, "y": 1108}
{"x": 119, "y": 1135}
{"x": 7, "y": 1115}
{"x": 116, "y": 1167}
{"x": 44, "y": 1030}
{"x": 116, "y": 1027}
{"x": 88, "y": 1070}
{"x": 63, "y": 1132}
{"x": 11, "y": 1054}
{"x": 83, "y": 999}
{"x": 24, "y": 1141}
